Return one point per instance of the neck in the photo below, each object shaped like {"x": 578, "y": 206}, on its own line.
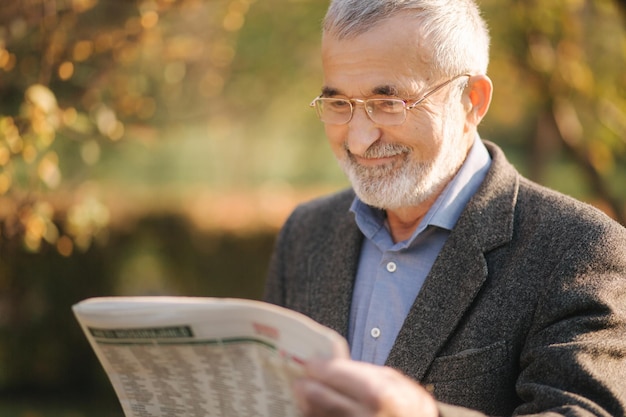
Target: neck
{"x": 404, "y": 221}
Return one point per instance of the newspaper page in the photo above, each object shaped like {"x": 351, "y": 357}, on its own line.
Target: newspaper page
{"x": 199, "y": 357}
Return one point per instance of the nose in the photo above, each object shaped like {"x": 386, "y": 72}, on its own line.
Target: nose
{"x": 362, "y": 131}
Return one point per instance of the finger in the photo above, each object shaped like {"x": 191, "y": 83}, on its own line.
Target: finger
{"x": 376, "y": 388}
{"x": 316, "y": 399}
{"x": 357, "y": 380}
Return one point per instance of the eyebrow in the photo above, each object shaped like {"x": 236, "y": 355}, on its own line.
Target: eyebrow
{"x": 381, "y": 90}
{"x": 385, "y": 90}
{"x": 330, "y": 92}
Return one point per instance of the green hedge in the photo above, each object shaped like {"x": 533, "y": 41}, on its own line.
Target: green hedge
{"x": 43, "y": 353}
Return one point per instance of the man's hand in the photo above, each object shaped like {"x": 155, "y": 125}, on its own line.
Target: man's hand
{"x": 346, "y": 388}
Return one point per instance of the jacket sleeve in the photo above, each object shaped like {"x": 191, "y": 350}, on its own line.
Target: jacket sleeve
{"x": 573, "y": 362}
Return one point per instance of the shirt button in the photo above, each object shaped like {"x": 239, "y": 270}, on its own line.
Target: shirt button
{"x": 375, "y": 332}
{"x": 391, "y": 267}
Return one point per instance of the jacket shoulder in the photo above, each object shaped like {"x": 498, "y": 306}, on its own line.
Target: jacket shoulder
{"x": 554, "y": 211}
{"x": 507, "y": 196}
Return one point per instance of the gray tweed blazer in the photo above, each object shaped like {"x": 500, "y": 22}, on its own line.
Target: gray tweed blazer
{"x": 523, "y": 312}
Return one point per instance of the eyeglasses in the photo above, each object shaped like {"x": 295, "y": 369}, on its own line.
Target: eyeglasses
{"x": 382, "y": 111}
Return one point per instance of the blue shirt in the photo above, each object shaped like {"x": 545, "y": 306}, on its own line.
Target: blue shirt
{"x": 390, "y": 275}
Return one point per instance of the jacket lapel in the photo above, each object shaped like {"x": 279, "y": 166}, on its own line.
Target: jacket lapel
{"x": 459, "y": 271}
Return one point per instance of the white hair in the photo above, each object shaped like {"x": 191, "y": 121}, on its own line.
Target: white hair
{"x": 454, "y": 29}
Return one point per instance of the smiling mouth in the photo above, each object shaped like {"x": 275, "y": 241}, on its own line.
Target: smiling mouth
{"x": 376, "y": 161}
{"x": 380, "y": 153}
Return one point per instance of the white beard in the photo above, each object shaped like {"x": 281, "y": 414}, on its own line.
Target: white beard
{"x": 403, "y": 182}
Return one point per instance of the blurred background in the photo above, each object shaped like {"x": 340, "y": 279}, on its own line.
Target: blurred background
{"x": 156, "y": 146}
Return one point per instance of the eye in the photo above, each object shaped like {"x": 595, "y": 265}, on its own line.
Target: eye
{"x": 337, "y": 104}
{"x": 388, "y": 105}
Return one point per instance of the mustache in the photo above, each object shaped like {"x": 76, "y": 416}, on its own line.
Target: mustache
{"x": 380, "y": 149}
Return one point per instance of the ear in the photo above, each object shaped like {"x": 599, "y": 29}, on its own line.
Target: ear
{"x": 477, "y": 98}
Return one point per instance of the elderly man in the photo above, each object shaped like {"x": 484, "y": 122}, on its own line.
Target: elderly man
{"x": 462, "y": 288}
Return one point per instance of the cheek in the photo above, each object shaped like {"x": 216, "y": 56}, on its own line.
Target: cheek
{"x": 423, "y": 134}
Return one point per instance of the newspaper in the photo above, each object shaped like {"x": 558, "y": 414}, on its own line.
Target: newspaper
{"x": 199, "y": 357}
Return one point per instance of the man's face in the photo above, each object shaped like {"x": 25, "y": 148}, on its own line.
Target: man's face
{"x": 392, "y": 167}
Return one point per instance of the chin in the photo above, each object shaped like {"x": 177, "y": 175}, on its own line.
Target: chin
{"x": 391, "y": 196}
{"x": 393, "y": 189}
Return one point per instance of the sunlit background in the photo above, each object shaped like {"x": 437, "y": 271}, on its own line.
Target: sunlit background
{"x": 155, "y": 147}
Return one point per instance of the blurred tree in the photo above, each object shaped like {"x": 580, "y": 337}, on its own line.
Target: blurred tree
{"x": 79, "y": 75}
{"x": 559, "y": 66}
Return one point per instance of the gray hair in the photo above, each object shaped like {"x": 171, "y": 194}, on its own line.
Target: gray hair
{"x": 454, "y": 29}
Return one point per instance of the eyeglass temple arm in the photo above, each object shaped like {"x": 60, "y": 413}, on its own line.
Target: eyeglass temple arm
{"x": 433, "y": 91}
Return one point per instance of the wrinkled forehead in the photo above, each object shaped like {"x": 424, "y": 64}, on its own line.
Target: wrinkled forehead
{"x": 399, "y": 37}
{"x": 390, "y": 53}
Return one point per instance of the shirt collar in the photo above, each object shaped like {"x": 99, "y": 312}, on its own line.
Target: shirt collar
{"x": 448, "y": 207}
